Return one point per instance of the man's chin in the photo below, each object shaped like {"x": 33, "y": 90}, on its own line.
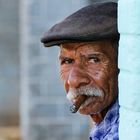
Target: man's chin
{"x": 89, "y": 106}
{"x": 90, "y": 109}
{"x": 83, "y": 112}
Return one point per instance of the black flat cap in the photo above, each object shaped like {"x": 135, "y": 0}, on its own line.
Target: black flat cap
{"x": 91, "y": 23}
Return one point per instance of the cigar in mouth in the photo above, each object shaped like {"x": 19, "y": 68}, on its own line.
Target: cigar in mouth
{"x": 75, "y": 107}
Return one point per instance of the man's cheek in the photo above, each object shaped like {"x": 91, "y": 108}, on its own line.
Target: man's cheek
{"x": 66, "y": 86}
{"x": 64, "y": 73}
{"x": 64, "y": 77}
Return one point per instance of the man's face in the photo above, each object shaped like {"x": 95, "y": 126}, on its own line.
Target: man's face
{"x": 90, "y": 69}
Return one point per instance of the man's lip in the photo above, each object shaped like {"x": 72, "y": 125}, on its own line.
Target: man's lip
{"x": 75, "y": 99}
{"x": 88, "y": 101}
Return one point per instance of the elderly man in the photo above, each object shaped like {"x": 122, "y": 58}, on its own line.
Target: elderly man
{"x": 88, "y": 41}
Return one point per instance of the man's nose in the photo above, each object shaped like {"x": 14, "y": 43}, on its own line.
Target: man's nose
{"x": 77, "y": 77}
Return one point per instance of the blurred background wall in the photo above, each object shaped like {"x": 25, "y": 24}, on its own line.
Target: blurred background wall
{"x": 29, "y": 74}
{"x": 9, "y": 62}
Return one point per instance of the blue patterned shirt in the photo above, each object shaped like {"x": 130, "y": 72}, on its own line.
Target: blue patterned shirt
{"x": 108, "y": 128}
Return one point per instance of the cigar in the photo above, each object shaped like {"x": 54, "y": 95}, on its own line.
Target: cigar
{"x": 80, "y": 99}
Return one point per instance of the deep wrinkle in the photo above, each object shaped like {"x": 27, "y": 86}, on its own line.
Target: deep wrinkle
{"x": 81, "y": 57}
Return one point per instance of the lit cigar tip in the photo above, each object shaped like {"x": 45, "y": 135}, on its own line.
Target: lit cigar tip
{"x": 73, "y": 109}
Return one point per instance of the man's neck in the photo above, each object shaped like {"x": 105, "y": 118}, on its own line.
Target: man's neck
{"x": 97, "y": 118}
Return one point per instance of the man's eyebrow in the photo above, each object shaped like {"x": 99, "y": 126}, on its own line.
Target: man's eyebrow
{"x": 63, "y": 57}
{"x": 92, "y": 54}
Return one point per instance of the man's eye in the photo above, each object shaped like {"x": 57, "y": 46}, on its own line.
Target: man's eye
{"x": 66, "y": 61}
{"x": 93, "y": 59}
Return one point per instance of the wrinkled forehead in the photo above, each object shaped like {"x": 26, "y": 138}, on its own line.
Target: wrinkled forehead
{"x": 98, "y": 46}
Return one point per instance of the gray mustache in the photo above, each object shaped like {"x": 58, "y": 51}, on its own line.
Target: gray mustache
{"x": 89, "y": 91}
{"x": 84, "y": 90}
